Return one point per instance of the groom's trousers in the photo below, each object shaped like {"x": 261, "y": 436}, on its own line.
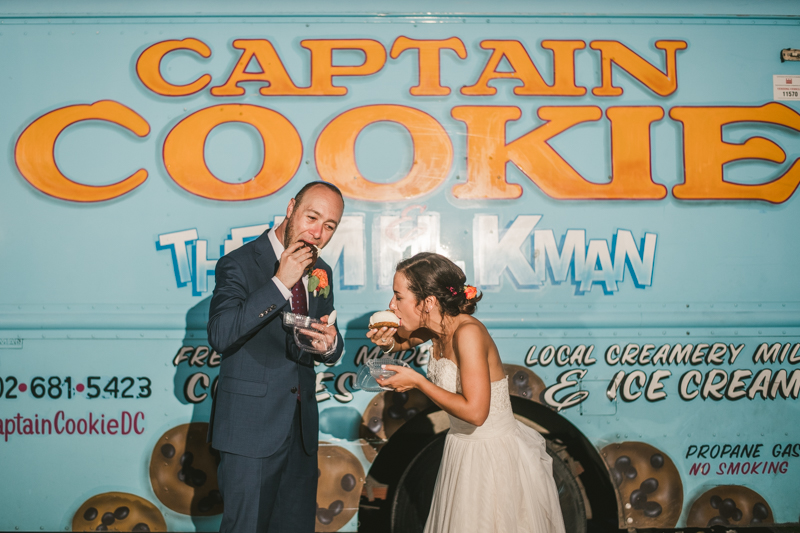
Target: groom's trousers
{"x": 275, "y": 494}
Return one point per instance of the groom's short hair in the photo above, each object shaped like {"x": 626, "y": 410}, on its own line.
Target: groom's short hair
{"x": 298, "y": 198}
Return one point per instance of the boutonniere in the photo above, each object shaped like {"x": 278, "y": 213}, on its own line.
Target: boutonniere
{"x": 318, "y": 283}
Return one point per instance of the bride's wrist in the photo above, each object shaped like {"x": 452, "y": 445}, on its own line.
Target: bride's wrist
{"x": 418, "y": 380}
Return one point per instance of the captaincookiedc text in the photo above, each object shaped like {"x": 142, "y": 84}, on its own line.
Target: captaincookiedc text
{"x": 260, "y": 70}
{"x": 62, "y": 423}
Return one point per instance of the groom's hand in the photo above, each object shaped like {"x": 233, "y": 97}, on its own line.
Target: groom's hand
{"x": 326, "y": 331}
{"x": 294, "y": 261}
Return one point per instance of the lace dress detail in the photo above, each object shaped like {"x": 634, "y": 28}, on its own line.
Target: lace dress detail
{"x": 444, "y": 373}
{"x": 494, "y": 478}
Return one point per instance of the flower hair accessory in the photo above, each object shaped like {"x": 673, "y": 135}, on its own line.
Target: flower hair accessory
{"x": 318, "y": 282}
{"x": 469, "y": 291}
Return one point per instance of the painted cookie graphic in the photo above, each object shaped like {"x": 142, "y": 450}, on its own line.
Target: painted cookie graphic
{"x": 649, "y": 485}
{"x": 118, "y": 511}
{"x": 341, "y": 478}
{"x": 524, "y": 383}
{"x": 388, "y": 411}
{"x": 730, "y": 506}
{"x": 183, "y": 471}
{"x": 369, "y": 452}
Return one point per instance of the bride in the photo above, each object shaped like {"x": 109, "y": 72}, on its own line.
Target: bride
{"x": 495, "y": 475}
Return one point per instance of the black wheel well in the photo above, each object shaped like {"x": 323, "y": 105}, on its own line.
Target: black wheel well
{"x": 595, "y": 478}
{"x": 418, "y": 432}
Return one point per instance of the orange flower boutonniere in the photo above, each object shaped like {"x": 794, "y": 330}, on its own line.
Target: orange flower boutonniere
{"x": 318, "y": 283}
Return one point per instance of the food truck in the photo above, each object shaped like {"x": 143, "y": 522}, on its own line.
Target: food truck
{"x": 618, "y": 179}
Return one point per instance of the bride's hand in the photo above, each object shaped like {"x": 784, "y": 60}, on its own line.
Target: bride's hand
{"x": 405, "y": 378}
{"x": 383, "y": 337}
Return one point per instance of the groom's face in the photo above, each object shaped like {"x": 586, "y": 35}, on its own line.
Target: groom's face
{"x": 314, "y": 219}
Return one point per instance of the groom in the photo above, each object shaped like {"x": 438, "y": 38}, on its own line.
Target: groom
{"x": 264, "y": 420}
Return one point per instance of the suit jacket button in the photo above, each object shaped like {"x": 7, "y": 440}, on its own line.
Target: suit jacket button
{"x": 261, "y": 315}
{"x": 271, "y": 308}
{"x": 293, "y": 390}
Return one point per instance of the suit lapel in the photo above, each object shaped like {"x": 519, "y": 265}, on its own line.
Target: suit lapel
{"x": 265, "y": 255}
{"x": 267, "y": 261}
{"x": 312, "y": 304}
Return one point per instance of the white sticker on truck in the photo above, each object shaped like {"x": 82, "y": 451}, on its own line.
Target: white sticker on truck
{"x": 786, "y": 87}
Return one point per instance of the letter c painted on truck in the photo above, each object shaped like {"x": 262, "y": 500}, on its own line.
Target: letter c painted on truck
{"x": 184, "y": 152}
{"x": 148, "y": 67}
{"x": 35, "y": 151}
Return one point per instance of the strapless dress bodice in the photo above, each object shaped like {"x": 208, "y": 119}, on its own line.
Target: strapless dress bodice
{"x": 444, "y": 373}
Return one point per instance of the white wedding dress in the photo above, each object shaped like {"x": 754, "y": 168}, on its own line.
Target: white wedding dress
{"x": 496, "y": 477}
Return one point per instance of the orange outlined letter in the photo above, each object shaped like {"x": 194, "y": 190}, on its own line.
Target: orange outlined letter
{"x": 429, "y": 68}
{"x": 526, "y": 71}
{"x": 488, "y": 153}
{"x": 705, "y": 153}
{"x": 323, "y": 69}
{"x": 184, "y": 152}
{"x": 336, "y": 157}
{"x": 652, "y": 78}
{"x": 630, "y": 155}
{"x": 148, "y": 67}
{"x": 272, "y": 72}
{"x": 35, "y": 151}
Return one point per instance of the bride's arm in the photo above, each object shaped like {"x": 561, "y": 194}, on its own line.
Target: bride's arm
{"x": 472, "y": 404}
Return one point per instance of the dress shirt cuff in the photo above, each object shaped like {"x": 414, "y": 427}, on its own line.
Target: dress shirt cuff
{"x": 281, "y": 287}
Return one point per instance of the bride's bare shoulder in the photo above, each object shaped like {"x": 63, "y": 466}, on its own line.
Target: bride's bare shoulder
{"x": 470, "y": 329}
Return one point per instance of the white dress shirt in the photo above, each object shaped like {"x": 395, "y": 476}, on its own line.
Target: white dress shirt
{"x": 278, "y": 247}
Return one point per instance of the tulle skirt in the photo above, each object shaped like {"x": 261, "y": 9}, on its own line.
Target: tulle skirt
{"x": 495, "y": 478}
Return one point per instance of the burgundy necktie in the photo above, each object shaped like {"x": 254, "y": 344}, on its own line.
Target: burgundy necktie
{"x": 299, "y": 304}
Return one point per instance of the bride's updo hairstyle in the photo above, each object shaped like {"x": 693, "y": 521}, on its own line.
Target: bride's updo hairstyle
{"x": 431, "y": 274}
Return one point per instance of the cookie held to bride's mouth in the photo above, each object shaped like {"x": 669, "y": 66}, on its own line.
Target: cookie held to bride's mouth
{"x": 383, "y": 319}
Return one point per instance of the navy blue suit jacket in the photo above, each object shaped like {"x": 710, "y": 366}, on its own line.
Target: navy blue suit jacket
{"x": 261, "y": 368}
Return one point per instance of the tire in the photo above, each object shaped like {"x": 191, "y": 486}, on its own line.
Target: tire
{"x": 569, "y": 496}
{"x": 414, "y": 493}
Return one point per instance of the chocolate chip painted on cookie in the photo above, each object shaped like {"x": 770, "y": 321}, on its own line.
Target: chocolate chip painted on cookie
{"x": 730, "y": 506}
{"x": 522, "y": 382}
{"x": 118, "y": 511}
{"x": 649, "y": 486}
{"x": 387, "y": 412}
{"x": 341, "y": 478}
{"x": 183, "y": 471}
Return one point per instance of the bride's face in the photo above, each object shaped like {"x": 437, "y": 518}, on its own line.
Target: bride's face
{"x": 405, "y": 305}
